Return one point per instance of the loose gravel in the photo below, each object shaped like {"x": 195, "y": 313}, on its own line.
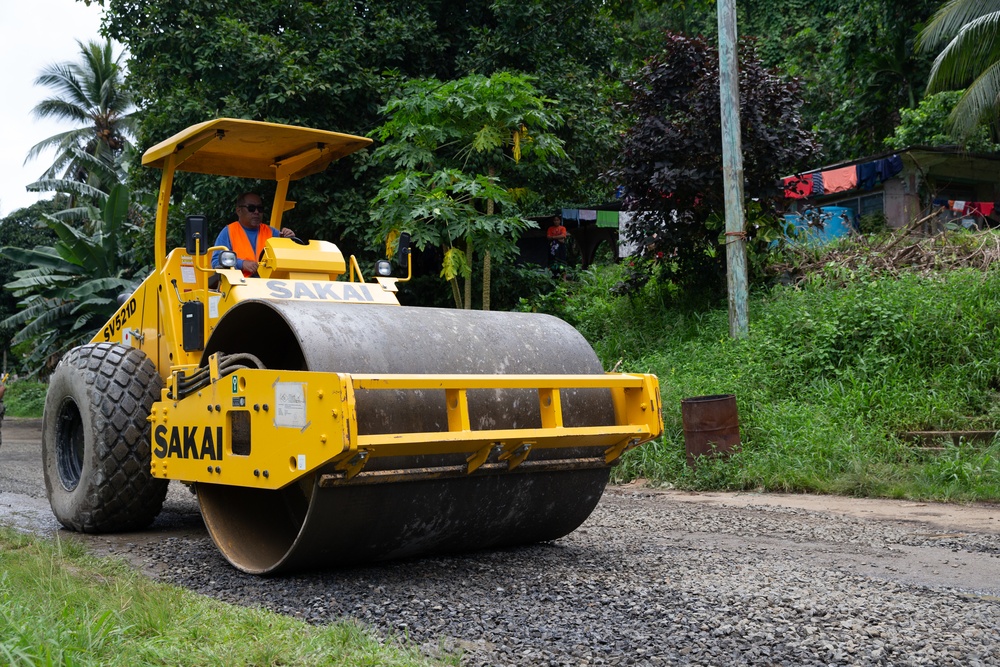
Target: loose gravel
{"x": 648, "y": 581}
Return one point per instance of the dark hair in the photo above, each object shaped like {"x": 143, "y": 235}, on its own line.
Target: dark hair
{"x": 242, "y": 199}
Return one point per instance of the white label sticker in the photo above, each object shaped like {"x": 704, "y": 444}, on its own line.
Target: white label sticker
{"x": 127, "y": 337}
{"x": 187, "y": 274}
{"x": 302, "y": 462}
{"x": 213, "y": 306}
{"x": 290, "y": 404}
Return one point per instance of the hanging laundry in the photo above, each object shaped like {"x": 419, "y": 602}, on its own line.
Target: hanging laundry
{"x": 888, "y": 167}
{"x": 587, "y": 214}
{"x": 607, "y": 219}
{"x": 798, "y": 187}
{"x": 867, "y": 175}
{"x": 571, "y": 214}
{"x": 817, "y": 188}
{"x": 983, "y": 208}
{"x": 839, "y": 180}
{"x": 957, "y": 205}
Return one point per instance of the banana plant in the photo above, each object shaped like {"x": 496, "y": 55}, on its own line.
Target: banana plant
{"x": 70, "y": 288}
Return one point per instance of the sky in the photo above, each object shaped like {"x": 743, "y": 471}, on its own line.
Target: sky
{"x": 33, "y": 34}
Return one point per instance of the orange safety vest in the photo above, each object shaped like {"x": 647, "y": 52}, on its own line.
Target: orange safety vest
{"x": 241, "y": 243}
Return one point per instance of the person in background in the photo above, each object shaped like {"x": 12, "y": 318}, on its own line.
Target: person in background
{"x": 557, "y": 236}
{"x": 247, "y": 236}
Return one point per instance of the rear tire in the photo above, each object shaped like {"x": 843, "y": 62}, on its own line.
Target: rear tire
{"x": 96, "y": 440}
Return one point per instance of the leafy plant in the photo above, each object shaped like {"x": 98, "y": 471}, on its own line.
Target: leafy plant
{"x": 930, "y": 125}
{"x": 25, "y": 398}
{"x": 72, "y": 286}
{"x": 453, "y": 143}
{"x": 671, "y": 156}
{"x": 830, "y": 376}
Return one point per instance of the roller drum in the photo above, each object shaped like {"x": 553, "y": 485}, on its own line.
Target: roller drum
{"x": 306, "y": 526}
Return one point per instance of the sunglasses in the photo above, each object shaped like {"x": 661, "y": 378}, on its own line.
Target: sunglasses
{"x": 253, "y": 208}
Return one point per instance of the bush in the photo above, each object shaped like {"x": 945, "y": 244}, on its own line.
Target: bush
{"x": 25, "y": 398}
{"x": 826, "y": 382}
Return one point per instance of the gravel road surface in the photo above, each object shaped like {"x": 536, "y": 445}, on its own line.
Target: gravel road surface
{"x": 652, "y": 578}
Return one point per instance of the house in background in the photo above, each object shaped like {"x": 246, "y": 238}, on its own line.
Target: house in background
{"x": 589, "y": 229}
{"x": 905, "y": 186}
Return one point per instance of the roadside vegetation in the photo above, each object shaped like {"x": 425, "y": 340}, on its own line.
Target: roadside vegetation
{"x": 59, "y": 606}
{"x": 836, "y": 368}
{"x": 25, "y": 398}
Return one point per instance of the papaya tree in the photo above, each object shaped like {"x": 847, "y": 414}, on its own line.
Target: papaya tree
{"x": 461, "y": 150}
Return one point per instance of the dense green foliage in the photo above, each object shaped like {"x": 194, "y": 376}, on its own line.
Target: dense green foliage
{"x": 856, "y": 61}
{"x": 25, "y": 398}
{"x": 826, "y": 382}
{"x": 59, "y": 606}
{"x": 463, "y": 151}
{"x": 928, "y": 125}
{"x": 69, "y": 289}
{"x": 334, "y": 64}
{"x": 23, "y": 228}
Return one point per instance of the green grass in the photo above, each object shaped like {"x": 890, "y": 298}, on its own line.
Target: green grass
{"x": 25, "y": 398}
{"x": 827, "y": 380}
{"x": 59, "y": 606}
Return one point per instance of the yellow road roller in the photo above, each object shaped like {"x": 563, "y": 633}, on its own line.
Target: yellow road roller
{"x": 319, "y": 422}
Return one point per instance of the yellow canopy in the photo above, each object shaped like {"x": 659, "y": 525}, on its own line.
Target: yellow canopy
{"x": 253, "y": 149}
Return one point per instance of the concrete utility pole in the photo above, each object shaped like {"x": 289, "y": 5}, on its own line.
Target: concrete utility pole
{"x": 732, "y": 170}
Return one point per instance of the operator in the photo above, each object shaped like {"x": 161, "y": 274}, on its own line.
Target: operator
{"x": 557, "y": 236}
{"x": 247, "y": 236}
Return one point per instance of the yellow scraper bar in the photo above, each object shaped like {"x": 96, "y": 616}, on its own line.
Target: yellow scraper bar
{"x": 295, "y": 422}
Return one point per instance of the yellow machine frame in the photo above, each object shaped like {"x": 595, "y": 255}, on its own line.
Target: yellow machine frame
{"x": 313, "y": 414}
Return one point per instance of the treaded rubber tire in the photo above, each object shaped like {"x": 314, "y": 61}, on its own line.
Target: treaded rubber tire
{"x": 96, "y": 442}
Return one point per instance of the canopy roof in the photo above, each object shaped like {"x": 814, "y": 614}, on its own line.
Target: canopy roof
{"x": 253, "y": 149}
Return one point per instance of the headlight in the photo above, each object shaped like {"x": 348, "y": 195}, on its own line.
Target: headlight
{"x": 383, "y": 268}
{"x": 227, "y": 259}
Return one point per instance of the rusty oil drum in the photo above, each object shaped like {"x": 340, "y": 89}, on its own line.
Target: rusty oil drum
{"x": 711, "y": 426}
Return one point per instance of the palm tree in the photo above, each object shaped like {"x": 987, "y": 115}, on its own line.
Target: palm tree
{"x": 91, "y": 93}
{"x": 971, "y": 60}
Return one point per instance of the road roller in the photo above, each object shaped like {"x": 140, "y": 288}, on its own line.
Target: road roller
{"x": 319, "y": 422}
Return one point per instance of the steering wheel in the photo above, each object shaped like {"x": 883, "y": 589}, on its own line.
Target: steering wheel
{"x": 298, "y": 240}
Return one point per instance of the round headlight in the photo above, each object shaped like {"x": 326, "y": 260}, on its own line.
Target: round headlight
{"x": 383, "y": 268}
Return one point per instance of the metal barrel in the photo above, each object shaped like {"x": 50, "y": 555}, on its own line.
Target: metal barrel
{"x": 311, "y": 525}
{"x": 711, "y": 426}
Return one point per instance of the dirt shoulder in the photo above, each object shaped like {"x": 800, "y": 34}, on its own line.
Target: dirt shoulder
{"x": 948, "y": 517}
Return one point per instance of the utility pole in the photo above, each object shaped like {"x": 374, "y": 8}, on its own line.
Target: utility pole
{"x": 732, "y": 170}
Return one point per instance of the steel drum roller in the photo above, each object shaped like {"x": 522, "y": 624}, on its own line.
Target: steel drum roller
{"x": 306, "y": 525}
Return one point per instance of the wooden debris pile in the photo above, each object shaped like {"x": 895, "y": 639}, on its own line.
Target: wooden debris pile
{"x": 906, "y": 249}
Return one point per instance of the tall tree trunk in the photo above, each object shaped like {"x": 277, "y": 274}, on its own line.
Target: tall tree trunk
{"x": 486, "y": 280}
{"x": 468, "y": 278}
{"x": 486, "y": 260}
{"x": 456, "y": 292}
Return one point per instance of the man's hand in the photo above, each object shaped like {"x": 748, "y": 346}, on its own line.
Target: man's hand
{"x": 286, "y": 233}
{"x": 250, "y": 266}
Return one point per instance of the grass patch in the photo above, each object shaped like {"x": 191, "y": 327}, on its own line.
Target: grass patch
{"x": 25, "y": 398}
{"x": 830, "y": 375}
{"x": 59, "y": 606}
